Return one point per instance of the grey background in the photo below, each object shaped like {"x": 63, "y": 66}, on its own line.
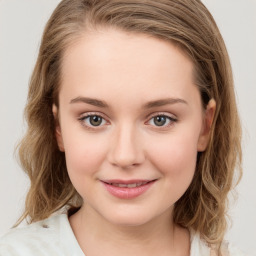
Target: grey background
{"x": 21, "y": 26}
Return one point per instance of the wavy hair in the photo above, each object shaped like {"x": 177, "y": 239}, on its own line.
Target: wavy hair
{"x": 186, "y": 23}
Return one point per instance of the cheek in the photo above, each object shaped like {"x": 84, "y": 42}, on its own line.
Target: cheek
{"x": 175, "y": 158}
{"x": 84, "y": 156}
{"x": 176, "y": 162}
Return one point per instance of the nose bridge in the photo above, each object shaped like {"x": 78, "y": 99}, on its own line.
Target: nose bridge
{"x": 126, "y": 149}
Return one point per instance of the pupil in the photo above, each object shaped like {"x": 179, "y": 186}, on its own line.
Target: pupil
{"x": 95, "y": 120}
{"x": 159, "y": 120}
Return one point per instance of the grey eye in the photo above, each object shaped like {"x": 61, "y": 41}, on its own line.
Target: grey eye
{"x": 160, "y": 120}
{"x": 95, "y": 120}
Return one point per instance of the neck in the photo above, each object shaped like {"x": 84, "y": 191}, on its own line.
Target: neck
{"x": 160, "y": 234}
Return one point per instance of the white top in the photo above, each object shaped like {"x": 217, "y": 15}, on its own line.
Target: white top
{"x": 54, "y": 236}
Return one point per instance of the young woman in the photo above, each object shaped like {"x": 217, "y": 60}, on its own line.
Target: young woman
{"x": 133, "y": 133}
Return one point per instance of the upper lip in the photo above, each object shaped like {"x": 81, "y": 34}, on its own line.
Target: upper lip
{"x": 127, "y": 181}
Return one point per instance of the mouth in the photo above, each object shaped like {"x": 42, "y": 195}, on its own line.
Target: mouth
{"x": 127, "y": 189}
{"x": 128, "y": 184}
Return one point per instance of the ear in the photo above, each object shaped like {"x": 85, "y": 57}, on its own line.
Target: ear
{"x": 57, "y": 128}
{"x": 206, "y": 127}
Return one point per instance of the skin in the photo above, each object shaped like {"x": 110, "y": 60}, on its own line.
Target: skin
{"x": 127, "y": 72}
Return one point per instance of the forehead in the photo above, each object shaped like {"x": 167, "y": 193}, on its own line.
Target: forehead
{"x": 113, "y": 60}
{"x": 128, "y": 47}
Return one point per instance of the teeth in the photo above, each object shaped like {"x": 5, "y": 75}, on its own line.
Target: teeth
{"x": 121, "y": 185}
{"x": 131, "y": 185}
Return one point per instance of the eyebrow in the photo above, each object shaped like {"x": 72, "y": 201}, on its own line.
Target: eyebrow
{"x": 91, "y": 101}
{"x": 163, "y": 102}
{"x": 150, "y": 104}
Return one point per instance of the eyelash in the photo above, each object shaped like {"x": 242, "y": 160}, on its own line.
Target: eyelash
{"x": 83, "y": 118}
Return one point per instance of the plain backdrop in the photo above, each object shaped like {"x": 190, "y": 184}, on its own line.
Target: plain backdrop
{"x": 21, "y": 26}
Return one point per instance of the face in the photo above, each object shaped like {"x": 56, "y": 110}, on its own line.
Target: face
{"x": 131, "y": 124}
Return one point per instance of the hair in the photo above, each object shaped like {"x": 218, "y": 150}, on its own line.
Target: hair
{"x": 186, "y": 23}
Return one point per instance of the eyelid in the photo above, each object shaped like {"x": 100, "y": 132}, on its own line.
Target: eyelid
{"x": 171, "y": 116}
{"x": 92, "y": 113}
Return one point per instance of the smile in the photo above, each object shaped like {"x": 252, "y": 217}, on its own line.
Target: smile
{"x": 127, "y": 189}
{"x": 130, "y": 185}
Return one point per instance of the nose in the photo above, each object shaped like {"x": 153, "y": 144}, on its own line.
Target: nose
{"x": 126, "y": 148}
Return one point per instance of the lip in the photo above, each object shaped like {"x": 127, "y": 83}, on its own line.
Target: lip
{"x": 127, "y": 192}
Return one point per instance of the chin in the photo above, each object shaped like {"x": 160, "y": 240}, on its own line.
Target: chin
{"x": 132, "y": 217}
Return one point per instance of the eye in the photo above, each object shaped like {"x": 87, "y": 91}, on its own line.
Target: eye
{"x": 161, "y": 120}
{"x": 91, "y": 120}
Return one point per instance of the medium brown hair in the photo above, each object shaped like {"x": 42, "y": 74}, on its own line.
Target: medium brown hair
{"x": 188, "y": 24}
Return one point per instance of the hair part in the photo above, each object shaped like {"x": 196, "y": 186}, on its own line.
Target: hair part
{"x": 186, "y": 23}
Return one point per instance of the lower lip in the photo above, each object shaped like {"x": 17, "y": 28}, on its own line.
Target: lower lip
{"x": 127, "y": 193}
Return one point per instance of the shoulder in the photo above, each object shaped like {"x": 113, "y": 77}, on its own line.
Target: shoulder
{"x": 200, "y": 247}
{"x": 35, "y": 239}
{"x": 230, "y": 250}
